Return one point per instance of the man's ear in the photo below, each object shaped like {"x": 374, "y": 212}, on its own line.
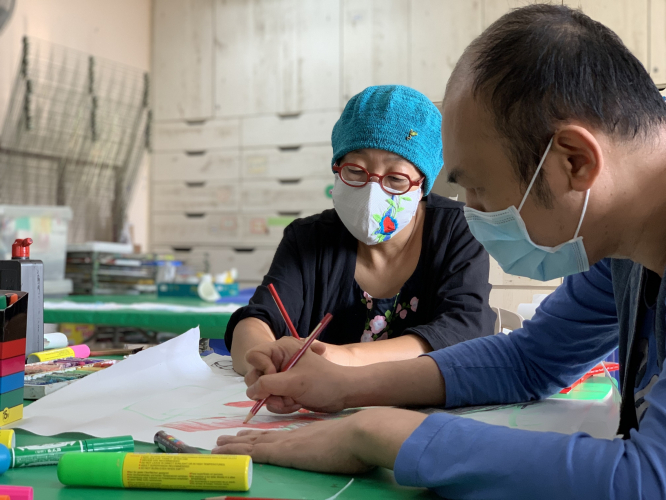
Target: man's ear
{"x": 580, "y": 155}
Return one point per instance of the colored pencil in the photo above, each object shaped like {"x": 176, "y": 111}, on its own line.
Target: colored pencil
{"x": 283, "y": 311}
{"x": 294, "y": 359}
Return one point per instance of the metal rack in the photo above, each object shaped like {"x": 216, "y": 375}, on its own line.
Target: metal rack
{"x": 74, "y": 134}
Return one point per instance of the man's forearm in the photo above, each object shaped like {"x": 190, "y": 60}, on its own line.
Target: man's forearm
{"x": 413, "y": 382}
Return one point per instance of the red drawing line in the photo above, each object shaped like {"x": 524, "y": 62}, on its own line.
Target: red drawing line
{"x": 219, "y": 423}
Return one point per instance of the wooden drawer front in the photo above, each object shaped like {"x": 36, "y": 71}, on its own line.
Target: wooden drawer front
{"x": 199, "y": 196}
{"x": 251, "y": 262}
{"x": 286, "y": 162}
{"x": 201, "y": 136}
{"x": 297, "y": 130}
{"x": 196, "y": 166}
{"x": 265, "y": 228}
{"x": 499, "y": 277}
{"x": 311, "y": 195}
{"x": 181, "y": 229}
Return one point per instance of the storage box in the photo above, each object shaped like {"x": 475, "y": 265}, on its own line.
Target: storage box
{"x": 189, "y": 290}
{"x": 46, "y": 225}
{"x": 13, "y": 329}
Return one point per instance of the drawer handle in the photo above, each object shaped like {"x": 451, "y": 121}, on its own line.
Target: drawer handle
{"x": 288, "y": 149}
{"x": 289, "y": 214}
{"x": 289, "y": 116}
{"x": 289, "y": 181}
{"x": 198, "y": 152}
{"x": 196, "y": 184}
{"x": 244, "y": 250}
{"x": 194, "y": 123}
{"x": 182, "y": 249}
{"x": 195, "y": 215}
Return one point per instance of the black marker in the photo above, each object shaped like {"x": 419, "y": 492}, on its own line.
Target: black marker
{"x": 170, "y": 444}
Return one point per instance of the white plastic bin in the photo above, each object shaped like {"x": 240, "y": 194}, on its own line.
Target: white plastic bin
{"x": 46, "y": 225}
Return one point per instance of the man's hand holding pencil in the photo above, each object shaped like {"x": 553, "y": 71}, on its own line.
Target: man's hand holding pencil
{"x": 265, "y": 381}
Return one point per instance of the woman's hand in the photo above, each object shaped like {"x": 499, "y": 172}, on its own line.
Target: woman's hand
{"x": 348, "y": 445}
{"x": 313, "y": 383}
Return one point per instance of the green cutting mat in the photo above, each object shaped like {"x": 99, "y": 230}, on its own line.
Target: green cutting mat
{"x": 269, "y": 481}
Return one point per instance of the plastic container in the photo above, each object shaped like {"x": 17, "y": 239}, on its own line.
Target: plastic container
{"x": 46, "y": 225}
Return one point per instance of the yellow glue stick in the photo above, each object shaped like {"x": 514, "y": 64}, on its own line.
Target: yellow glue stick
{"x": 76, "y": 351}
{"x": 157, "y": 471}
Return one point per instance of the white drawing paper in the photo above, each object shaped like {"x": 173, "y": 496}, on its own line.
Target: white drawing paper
{"x": 167, "y": 387}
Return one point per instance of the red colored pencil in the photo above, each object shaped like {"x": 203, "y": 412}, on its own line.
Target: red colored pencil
{"x": 283, "y": 311}
{"x": 294, "y": 359}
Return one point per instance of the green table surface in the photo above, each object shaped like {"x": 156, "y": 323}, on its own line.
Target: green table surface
{"x": 213, "y": 325}
{"x": 268, "y": 481}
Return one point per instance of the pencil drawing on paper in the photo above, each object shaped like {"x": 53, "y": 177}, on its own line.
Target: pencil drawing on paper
{"x": 185, "y": 401}
{"x": 262, "y": 422}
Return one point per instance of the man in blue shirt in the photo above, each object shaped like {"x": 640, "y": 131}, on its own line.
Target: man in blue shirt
{"x": 558, "y": 135}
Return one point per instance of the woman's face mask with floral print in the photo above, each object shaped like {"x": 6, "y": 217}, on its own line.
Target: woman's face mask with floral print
{"x": 370, "y": 214}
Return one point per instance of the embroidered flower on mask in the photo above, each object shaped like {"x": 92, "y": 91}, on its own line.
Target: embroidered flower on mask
{"x": 414, "y": 303}
{"x": 367, "y": 336}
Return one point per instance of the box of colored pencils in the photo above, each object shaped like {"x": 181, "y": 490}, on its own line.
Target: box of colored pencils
{"x": 42, "y": 379}
{"x": 13, "y": 321}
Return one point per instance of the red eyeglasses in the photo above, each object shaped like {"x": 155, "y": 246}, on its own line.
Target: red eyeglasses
{"x": 393, "y": 183}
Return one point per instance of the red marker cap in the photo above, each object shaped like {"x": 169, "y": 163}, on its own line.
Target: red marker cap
{"x": 21, "y": 248}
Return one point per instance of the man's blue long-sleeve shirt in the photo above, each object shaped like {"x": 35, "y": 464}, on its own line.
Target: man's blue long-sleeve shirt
{"x": 573, "y": 330}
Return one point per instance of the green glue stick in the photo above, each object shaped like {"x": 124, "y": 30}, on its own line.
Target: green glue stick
{"x": 50, "y": 454}
{"x": 163, "y": 471}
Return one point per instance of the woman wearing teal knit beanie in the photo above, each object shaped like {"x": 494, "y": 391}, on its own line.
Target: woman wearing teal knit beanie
{"x": 392, "y": 262}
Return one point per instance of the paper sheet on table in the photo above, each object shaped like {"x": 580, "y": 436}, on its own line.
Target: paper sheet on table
{"x": 597, "y": 417}
{"x": 167, "y": 387}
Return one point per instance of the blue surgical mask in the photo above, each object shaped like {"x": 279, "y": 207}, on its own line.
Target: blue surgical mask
{"x": 505, "y": 237}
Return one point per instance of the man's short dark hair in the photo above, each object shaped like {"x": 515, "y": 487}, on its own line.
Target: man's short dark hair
{"x": 540, "y": 65}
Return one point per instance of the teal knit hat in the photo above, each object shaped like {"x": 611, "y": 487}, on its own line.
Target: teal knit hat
{"x": 394, "y": 118}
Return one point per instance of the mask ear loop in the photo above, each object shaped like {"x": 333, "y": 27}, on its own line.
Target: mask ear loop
{"x": 580, "y": 222}
{"x": 543, "y": 158}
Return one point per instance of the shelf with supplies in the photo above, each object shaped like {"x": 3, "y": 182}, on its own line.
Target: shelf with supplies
{"x": 251, "y": 262}
{"x": 196, "y": 165}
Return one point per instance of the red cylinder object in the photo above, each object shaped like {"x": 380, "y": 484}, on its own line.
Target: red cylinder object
{"x": 21, "y": 248}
